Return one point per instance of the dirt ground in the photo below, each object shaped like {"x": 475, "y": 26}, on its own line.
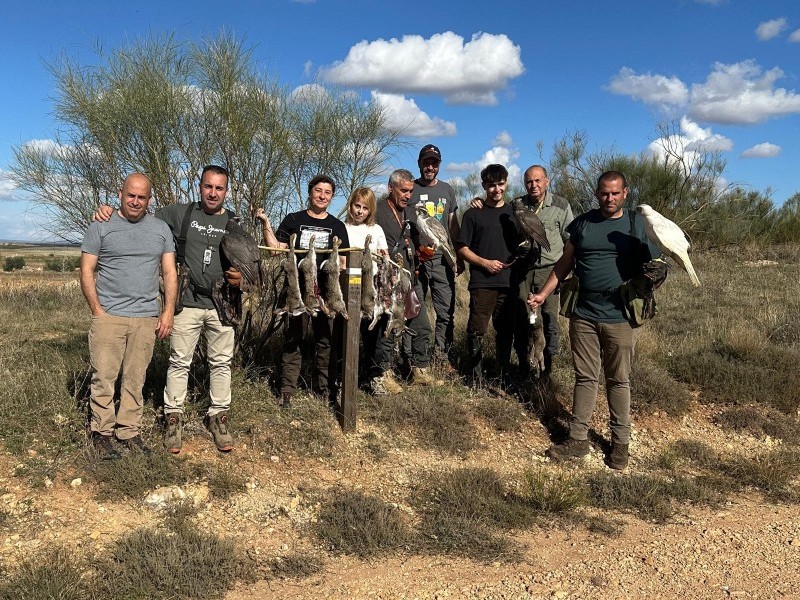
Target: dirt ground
{"x": 747, "y": 548}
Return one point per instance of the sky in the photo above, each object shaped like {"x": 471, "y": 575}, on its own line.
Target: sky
{"x": 483, "y": 81}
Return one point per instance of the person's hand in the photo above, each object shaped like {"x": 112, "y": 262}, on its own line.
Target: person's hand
{"x": 164, "y": 325}
{"x": 261, "y": 215}
{"x": 494, "y": 266}
{"x": 476, "y": 203}
{"x": 234, "y": 277}
{"x": 460, "y": 268}
{"x": 103, "y": 213}
{"x": 425, "y": 253}
{"x": 535, "y": 300}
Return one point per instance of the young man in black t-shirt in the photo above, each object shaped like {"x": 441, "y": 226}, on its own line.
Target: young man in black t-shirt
{"x": 488, "y": 240}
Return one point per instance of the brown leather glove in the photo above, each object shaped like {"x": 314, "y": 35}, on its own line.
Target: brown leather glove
{"x": 424, "y": 253}
{"x": 233, "y": 277}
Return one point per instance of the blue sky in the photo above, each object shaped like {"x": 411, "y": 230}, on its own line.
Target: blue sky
{"x": 483, "y": 81}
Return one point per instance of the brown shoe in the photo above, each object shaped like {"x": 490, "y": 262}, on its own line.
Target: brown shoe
{"x": 618, "y": 458}
{"x": 173, "y": 435}
{"x": 422, "y": 376}
{"x": 385, "y": 384}
{"x": 218, "y": 426}
{"x": 568, "y": 450}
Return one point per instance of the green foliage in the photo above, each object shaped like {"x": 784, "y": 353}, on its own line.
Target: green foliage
{"x": 168, "y": 107}
{"x": 653, "y": 388}
{"x": 53, "y": 574}
{"x": 13, "y": 263}
{"x": 355, "y": 523}
{"x": 177, "y": 563}
{"x": 62, "y": 264}
{"x": 549, "y": 492}
{"x": 465, "y": 512}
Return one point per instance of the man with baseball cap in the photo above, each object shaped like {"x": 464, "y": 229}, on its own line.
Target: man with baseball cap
{"x": 436, "y": 275}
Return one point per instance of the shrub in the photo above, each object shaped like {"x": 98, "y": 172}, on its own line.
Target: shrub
{"x": 355, "y": 523}
{"x": 52, "y": 574}
{"x": 12, "y": 263}
{"x": 62, "y": 264}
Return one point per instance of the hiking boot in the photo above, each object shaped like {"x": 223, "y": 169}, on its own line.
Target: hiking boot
{"x": 618, "y": 458}
{"x": 286, "y": 400}
{"x": 385, "y": 384}
{"x": 173, "y": 434}
{"x": 136, "y": 444}
{"x": 422, "y": 376}
{"x": 218, "y": 426}
{"x": 104, "y": 446}
{"x": 569, "y": 449}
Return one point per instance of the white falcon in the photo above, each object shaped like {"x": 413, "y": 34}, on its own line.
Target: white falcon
{"x": 669, "y": 237}
{"x": 435, "y": 231}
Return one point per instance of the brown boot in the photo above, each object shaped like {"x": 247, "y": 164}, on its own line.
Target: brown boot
{"x": 618, "y": 458}
{"x": 568, "y": 450}
{"x": 218, "y": 426}
{"x": 173, "y": 435}
{"x": 422, "y": 376}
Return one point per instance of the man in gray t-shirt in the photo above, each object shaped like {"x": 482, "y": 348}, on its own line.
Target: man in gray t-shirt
{"x": 126, "y": 252}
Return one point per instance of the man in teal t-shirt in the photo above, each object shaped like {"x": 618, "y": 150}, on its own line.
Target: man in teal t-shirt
{"x": 607, "y": 246}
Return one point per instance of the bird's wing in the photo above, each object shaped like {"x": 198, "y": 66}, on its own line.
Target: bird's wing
{"x": 442, "y": 239}
{"x": 673, "y": 242}
{"x": 533, "y": 228}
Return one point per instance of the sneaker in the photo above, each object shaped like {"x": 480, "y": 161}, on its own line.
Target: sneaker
{"x": 569, "y": 449}
{"x": 218, "y": 426}
{"x": 136, "y": 444}
{"x": 618, "y": 458}
{"x": 422, "y": 376}
{"x": 104, "y": 446}
{"x": 385, "y": 384}
{"x": 173, "y": 434}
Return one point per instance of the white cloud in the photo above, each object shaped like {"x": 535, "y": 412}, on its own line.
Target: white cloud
{"x": 464, "y": 73}
{"x": 689, "y": 143}
{"x": 741, "y": 94}
{"x": 403, "y": 114}
{"x": 7, "y": 186}
{"x": 503, "y": 139}
{"x": 307, "y": 68}
{"x": 650, "y": 89}
{"x": 770, "y": 29}
{"x": 795, "y": 36}
{"x": 309, "y": 92}
{"x": 495, "y": 155}
{"x": 765, "y": 150}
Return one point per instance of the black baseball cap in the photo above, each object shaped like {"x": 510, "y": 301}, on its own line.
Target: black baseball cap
{"x": 430, "y": 151}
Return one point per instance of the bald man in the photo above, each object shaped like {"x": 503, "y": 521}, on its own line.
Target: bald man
{"x": 120, "y": 262}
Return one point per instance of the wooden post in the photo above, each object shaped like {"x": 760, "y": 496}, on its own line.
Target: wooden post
{"x": 351, "y": 287}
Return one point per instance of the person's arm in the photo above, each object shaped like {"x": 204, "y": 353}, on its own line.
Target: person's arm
{"x": 267, "y": 233}
{"x": 88, "y": 286}
{"x": 492, "y": 266}
{"x": 103, "y": 213}
{"x": 561, "y": 269}
{"x": 169, "y": 273}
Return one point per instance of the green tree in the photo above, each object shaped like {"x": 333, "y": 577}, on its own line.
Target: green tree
{"x": 167, "y": 108}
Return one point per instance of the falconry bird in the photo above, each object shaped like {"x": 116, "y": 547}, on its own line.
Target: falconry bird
{"x": 436, "y": 232}
{"x": 530, "y": 224}
{"x": 238, "y": 250}
{"x": 670, "y": 238}
{"x": 241, "y": 251}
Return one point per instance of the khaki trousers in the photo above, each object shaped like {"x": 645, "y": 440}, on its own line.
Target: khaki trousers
{"x": 190, "y": 323}
{"x": 612, "y": 345}
{"x": 116, "y": 342}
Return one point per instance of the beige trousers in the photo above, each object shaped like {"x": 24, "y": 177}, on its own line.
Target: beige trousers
{"x": 116, "y": 342}
{"x": 189, "y": 325}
